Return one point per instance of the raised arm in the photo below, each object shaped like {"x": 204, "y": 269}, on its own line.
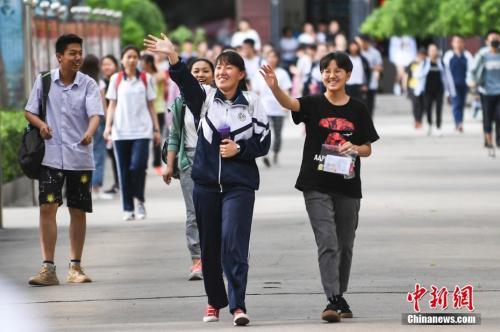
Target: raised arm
{"x": 190, "y": 88}
{"x": 281, "y": 96}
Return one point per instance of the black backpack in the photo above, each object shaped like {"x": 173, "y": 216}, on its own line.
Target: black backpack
{"x": 32, "y": 149}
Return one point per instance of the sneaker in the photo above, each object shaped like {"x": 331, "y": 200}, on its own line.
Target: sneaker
{"x": 439, "y": 132}
{"x": 45, "y": 277}
{"x": 491, "y": 151}
{"x": 240, "y": 318}
{"x": 105, "y": 196}
{"x": 128, "y": 215}
{"x": 345, "y": 310}
{"x": 429, "y": 131}
{"x": 141, "y": 211}
{"x": 76, "y": 275}
{"x": 113, "y": 190}
{"x": 266, "y": 162}
{"x": 331, "y": 314}
{"x": 211, "y": 314}
{"x": 196, "y": 271}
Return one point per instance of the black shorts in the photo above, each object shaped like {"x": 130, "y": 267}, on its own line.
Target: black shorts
{"x": 78, "y": 188}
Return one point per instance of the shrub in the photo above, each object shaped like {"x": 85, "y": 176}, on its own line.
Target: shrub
{"x": 12, "y": 124}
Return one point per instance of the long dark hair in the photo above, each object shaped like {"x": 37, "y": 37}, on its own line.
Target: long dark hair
{"x": 150, "y": 60}
{"x": 233, "y": 58}
{"x": 90, "y": 66}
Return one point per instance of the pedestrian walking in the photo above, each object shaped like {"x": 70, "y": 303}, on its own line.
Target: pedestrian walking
{"x": 160, "y": 81}
{"x": 433, "y": 83}
{"x": 374, "y": 58}
{"x": 90, "y": 67}
{"x": 274, "y": 111}
{"x": 337, "y": 126}
{"x": 357, "y": 86}
{"x": 486, "y": 77}
{"x": 417, "y": 102}
{"x": 233, "y": 132}
{"x": 73, "y": 107}
{"x": 109, "y": 66}
{"x": 182, "y": 144}
{"x": 131, "y": 123}
{"x": 458, "y": 62}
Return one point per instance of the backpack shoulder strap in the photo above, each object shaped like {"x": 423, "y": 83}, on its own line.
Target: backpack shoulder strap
{"x": 119, "y": 79}
{"x": 46, "y": 81}
{"x": 144, "y": 79}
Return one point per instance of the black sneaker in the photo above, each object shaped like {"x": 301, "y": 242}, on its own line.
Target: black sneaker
{"x": 113, "y": 190}
{"x": 345, "y": 310}
{"x": 331, "y": 312}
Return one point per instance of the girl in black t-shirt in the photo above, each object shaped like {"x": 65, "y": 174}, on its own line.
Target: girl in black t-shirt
{"x": 334, "y": 122}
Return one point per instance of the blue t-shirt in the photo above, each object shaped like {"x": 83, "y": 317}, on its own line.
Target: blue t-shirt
{"x": 458, "y": 68}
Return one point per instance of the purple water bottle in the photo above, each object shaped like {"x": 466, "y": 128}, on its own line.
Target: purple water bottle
{"x": 224, "y": 132}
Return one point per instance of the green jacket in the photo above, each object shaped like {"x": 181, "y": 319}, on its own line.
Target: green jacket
{"x": 176, "y": 138}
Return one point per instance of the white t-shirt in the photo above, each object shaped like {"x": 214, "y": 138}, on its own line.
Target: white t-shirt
{"x": 190, "y": 132}
{"x": 132, "y": 119}
{"x": 252, "y": 66}
{"x": 240, "y": 36}
{"x": 305, "y": 38}
{"x": 304, "y": 66}
{"x": 271, "y": 105}
{"x": 374, "y": 58}
{"x": 357, "y": 74}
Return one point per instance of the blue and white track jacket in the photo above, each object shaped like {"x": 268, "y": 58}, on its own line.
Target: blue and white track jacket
{"x": 247, "y": 119}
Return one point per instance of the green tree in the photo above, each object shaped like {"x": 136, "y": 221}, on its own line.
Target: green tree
{"x": 181, "y": 34}
{"x": 429, "y": 18}
{"x": 140, "y": 18}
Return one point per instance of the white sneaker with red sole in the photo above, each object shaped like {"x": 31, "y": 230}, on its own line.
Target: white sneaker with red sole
{"x": 240, "y": 318}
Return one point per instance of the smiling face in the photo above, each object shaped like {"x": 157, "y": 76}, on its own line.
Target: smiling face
{"x": 202, "y": 71}
{"x": 227, "y": 76}
{"x": 334, "y": 78}
{"x": 130, "y": 59}
{"x": 71, "y": 58}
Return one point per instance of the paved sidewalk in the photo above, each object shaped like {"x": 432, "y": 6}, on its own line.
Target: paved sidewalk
{"x": 430, "y": 214}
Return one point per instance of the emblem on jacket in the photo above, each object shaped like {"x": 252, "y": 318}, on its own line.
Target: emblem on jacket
{"x": 242, "y": 116}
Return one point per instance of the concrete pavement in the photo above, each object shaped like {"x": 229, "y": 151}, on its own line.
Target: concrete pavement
{"x": 430, "y": 214}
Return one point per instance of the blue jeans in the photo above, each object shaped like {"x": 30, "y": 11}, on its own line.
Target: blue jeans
{"x": 458, "y": 104}
{"x": 132, "y": 158}
{"x": 99, "y": 155}
{"x": 224, "y": 222}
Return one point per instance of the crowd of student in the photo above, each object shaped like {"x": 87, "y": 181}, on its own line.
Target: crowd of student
{"x": 216, "y": 108}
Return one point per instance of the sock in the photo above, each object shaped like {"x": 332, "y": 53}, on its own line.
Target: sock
{"x": 49, "y": 264}
{"x": 75, "y": 262}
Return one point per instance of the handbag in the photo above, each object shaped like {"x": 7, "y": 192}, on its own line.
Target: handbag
{"x": 32, "y": 148}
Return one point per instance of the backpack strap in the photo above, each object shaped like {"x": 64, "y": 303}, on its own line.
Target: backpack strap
{"x": 144, "y": 79}
{"x": 46, "y": 81}
{"x": 119, "y": 79}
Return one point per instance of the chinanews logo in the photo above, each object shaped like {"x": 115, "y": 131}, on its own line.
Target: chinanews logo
{"x": 462, "y": 298}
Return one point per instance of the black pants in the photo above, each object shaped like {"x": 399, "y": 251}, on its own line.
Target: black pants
{"x": 491, "y": 114}
{"x": 157, "y": 148}
{"x": 370, "y": 101}
{"x": 417, "y": 103}
{"x": 430, "y": 98}
{"x": 277, "y": 126}
{"x": 111, "y": 155}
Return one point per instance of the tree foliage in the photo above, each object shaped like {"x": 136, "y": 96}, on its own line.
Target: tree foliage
{"x": 432, "y": 18}
{"x": 140, "y": 18}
